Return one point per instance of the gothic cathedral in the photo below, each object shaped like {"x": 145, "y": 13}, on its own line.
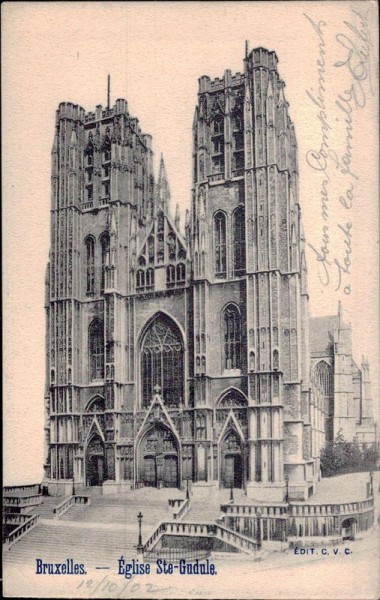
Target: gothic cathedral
{"x": 181, "y": 355}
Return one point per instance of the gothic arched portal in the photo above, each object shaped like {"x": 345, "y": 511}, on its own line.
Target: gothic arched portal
{"x": 158, "y": 458}
{"x": 95, "y": 463}
{"x": 232, "y": 460}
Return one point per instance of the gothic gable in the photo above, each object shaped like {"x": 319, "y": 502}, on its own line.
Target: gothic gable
{"x": 163, "y": 249}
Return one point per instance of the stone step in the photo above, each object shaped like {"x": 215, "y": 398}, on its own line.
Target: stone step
{"x": 57, "y": 543}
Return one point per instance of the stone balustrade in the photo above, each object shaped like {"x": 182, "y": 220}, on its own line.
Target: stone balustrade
{"x": 32, "y": 489}
{"x": 68, "y": 503}
{"x": 21, "y": 530}
{"x": 233, "y": 538}
{"x": 22, "y": 501}
{"x": 182, "y": 509}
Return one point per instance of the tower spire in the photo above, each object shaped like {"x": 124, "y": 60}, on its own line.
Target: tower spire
{"x": 163, "y": 191}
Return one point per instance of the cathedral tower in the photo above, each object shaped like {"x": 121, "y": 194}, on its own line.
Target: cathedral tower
{"x": 250, "y": 281}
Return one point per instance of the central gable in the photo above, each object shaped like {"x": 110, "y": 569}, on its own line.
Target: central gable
{"x": 161, "y": 261}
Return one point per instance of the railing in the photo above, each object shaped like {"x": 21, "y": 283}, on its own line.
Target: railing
{"x": 250, "y": 510}
{"x": 21, "y": 501}
{"x": 63, "y": 506}
{"x": 176, "y": 554}
{"x": 33, "y": 488}
{"x": 20, "y": 531}
{"x": 19, "y": 518}
{"x": 239, "y": 541}
{"x": 68, "y": 503}
{"x": 175, "y": 502}
{"x": 316, "y": 510}
{"x": 86, "y": 205}
{"x": 182, "y": 509}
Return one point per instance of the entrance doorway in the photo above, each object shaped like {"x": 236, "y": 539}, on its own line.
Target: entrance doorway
{"x": 231, "y": 461}
{"x": 158, "y": 464}
{"x": 348, "y": 529}
{"x": 95, "y": 462}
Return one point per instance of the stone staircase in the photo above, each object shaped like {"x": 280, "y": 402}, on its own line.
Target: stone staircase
{"x": 94, "y": 534}
{"x": 202, "y": 511}
{"x": 54, "y": 542}
{"x": 46, "y": 509}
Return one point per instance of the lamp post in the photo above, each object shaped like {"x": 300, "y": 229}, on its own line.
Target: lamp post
{"x": 258, "y": 536}
{"x": 287, "y": 488}
{"x": 139, "y": 544}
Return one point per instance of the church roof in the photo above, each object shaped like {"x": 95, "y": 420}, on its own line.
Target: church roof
{"x": 322, "y": 333}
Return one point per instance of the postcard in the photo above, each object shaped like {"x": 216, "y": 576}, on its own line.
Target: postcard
{"x": 191, "y": 356}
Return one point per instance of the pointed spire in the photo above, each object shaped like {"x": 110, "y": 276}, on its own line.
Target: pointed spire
{"x": 195, "y": 119}
{"x": 163, "y": 191}
{"x": 177, "y": 217}
{"x": 246, "y": 48}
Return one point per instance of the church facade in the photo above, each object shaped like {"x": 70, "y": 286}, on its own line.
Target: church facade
{"x": 181, "y": 354}
{"x": 346, "y": 386}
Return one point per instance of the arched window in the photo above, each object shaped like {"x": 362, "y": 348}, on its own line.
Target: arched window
{"x": 105, "y": 244}
{"x": 95, "y": 405}
{"x": 276, "y": 361}
{"x": 220, "y": 244}
{"x": 150, "y": 278}
{"x": 107, "y": 147}
{"x": 232, "y": 337}
{"x": 140, "y": 279}
{"x": 239, "y": 241}
{"x": 96, "y": 350}
{"x": 232, "y": 399}
{"x": 151, "y": 250}
{"x": 89, "y": 152}
{"x": 170, "y": 275}
{"x": 323, "y": 376}
{"x": 90, "y": 264}
{"x": 218, "y": 125}
{"x": 162, "y": 362}
{"x": 181, "y": 272}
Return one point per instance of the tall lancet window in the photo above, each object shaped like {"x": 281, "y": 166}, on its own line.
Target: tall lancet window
{"x": 105, "y": 244}
{"x": 232, "y": 337}
{"x": 239, "y": 241}
{"x": 162, "y": 362}
{"x": 96, "y": 350}
{"x": 220, "y": 244}
{"x": 90, "y": 265}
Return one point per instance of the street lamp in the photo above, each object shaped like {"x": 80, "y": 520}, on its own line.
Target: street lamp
{"x": 258, "y": 536}
{"x": 287, "y": 488}
{"x": 139, "y": 519}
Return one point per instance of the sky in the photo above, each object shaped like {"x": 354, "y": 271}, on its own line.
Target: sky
{"x": 155, "y": 52}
